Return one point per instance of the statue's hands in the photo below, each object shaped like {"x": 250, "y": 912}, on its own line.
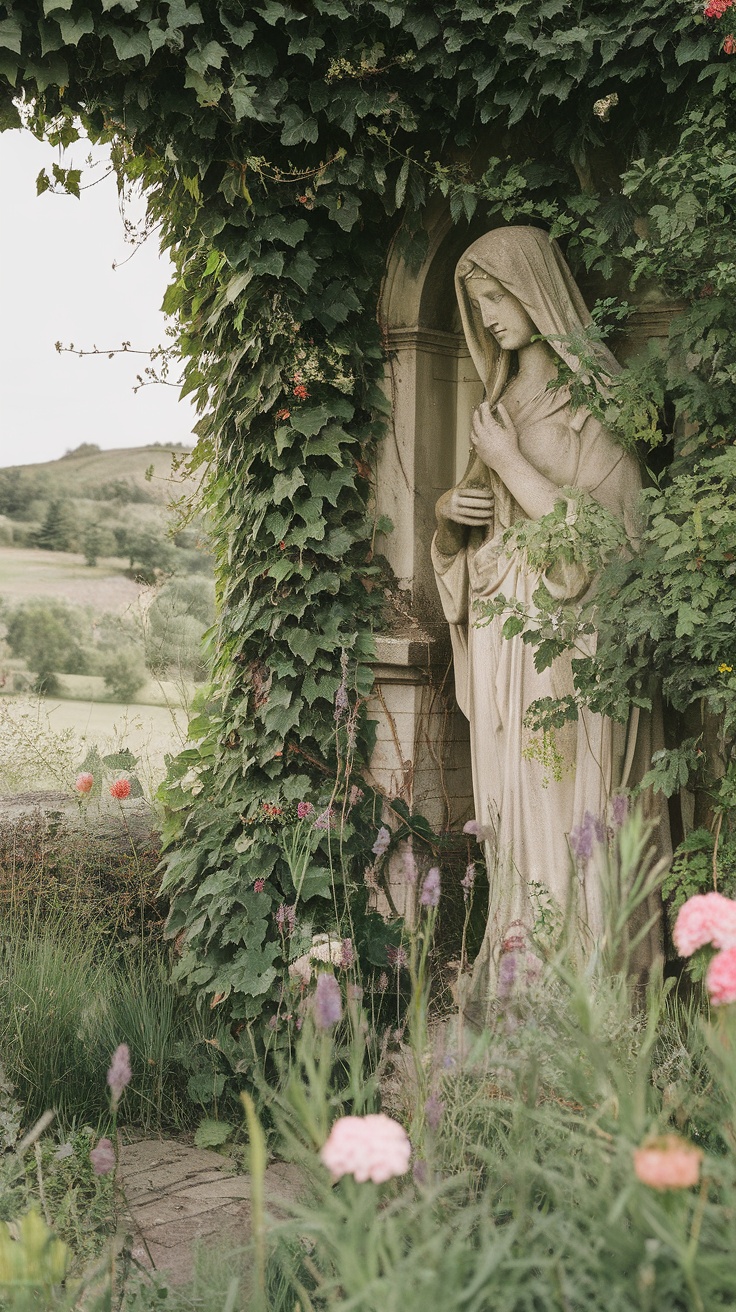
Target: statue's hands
{"x": 493, "y": 435}
{"x": 467, "y": 505}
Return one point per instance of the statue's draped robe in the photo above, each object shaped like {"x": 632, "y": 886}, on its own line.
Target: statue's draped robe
{"x": 530, "y": 804}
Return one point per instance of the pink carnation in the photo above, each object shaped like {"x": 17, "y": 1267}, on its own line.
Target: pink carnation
{"x": 668, "y": 1162}
{"x": 367, "y": 1147}
{"x": 84, "y": 782}
{"x": 103, "y": 1158}
{"x": 705, "y": 918}
{"x": 304, "y": 810}
{"x": 120, "y": 789}
{"x": 721, "y": 978}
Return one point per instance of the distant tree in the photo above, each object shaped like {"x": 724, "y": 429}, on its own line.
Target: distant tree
{"x": 58, "y": 531}
{"x": 125, "y": 674}
{"x": 48, "y": 636}
{"x": 149, "y": 554}
{"x": 19, "y": 488}
{"x": 84, "y": 449}
{"x": 97, "y": 540}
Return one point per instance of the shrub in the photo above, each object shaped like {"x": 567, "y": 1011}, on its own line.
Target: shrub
{"x": 52, "y": 637}
{"x": 125, "y": 674}
{"x": 176, "y": 621}
{"x": 58, "y": 531}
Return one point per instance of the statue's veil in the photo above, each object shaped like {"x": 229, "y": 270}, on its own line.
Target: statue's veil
{"x": 530, "y": 266}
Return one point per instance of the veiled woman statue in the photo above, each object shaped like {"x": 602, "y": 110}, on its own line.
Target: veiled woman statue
{"x": 528, "y": 442}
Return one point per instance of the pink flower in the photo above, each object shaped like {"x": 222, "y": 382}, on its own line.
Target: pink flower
{"x": 327, "y": 1002}
{"x": 103, "y": 1158}
{"x": 668, "y": 1162}
{"x": 356, "y": 795}
{"x": 729, "y": 45}
{"x": 119, "y": 1074}
{"x": 84, "y": 782}
{"x": 430, "y": 894}
{"x": 326, "y": 820}
{"x": 705, "y": 918}
{"x": 373, "y": 1148}
{"x": 716, "y": 8}
{"x": 409, "y": 864}
{"x": 304, "y": 810}
{"x": 259, "y": 886}
{"x": 120, "y": 789}
{"x": 720, "y": 978}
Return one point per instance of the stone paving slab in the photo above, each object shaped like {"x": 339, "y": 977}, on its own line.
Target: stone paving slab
{"x": 179, "y": 1197}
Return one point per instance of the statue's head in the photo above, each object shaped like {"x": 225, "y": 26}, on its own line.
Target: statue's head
{"x": 513, "y": 284}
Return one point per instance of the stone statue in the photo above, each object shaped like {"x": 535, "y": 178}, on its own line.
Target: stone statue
{"x": 527, "y": 443}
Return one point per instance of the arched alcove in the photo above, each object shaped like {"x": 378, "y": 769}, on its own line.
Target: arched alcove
{"x": 422, "y": 749}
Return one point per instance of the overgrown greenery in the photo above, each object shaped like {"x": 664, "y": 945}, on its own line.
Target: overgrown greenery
{"x": 282, "y": 147}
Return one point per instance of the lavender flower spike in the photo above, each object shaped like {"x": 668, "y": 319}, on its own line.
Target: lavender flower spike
{"x": 430, "y": 894}
{"x": 327, "y": 1002}
{"x": 383, "y": 841}
{"x": 103, "y": 1158}
{"x": 119, "y": 1074}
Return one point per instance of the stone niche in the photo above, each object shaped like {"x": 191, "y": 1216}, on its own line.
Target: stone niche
{"x": 422, "y": 752}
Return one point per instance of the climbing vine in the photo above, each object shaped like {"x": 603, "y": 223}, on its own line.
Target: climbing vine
{"x": 282, "y": 147}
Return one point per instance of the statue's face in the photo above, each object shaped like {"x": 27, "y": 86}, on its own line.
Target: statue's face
{"x": 500, "y": 312}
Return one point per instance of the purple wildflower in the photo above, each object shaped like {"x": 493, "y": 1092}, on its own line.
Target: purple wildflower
{"x": 326, "y": 819}
{"x": 273, "y": 1022}
{"x": 419, "y": 1172}
{"x": 584, "y": 835}
{"x": 483, "y": 833}
{"x": 355, "y": 993}
{"x": 327, "y": 1002}
{"x": 304, "y": 810}
{"x": 103, "y": 1158}
{"x": 383, "y": 841}
{"x": 467, "y": 884}
{"x": 396, "y": 956}
{"x": 471, "y": 827}
{"x": 119, "y": 1074}
{"x": 619, "y": 809}
{"x": 411, "y": 874}
{"x": 356, "y": 795}
{"x": 434, "y": 1109}
{"x": 347, "y": 954}
{"x": 382, "y": 983}
{"x": 430, "y": 894}
{"x": 506, "y": 975}
{"x": 285, "y": 919}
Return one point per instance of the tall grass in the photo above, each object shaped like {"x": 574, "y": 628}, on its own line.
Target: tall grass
{"x": 68, "y": 1000}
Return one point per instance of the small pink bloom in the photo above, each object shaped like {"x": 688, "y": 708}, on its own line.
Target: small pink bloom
{"x": 347, "y": 954}
{"x": 705, "y": 918}
{"x": 119, "y": 1074}
{"x": 668, "y": 1162}
{"x": 304, "y": 810}
{"x": 103, "y": 1158}
{"x": 120, "y": 789}
{"x": 373, "y": 1148}
{"x": 259, "y": 886}
{"x": 327, "y": 1002}
{"x": 84, "y": 782}
{"x": 720, "y": 978}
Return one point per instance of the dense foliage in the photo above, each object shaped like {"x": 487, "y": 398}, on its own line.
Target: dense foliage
{"x": 282, "y": 146}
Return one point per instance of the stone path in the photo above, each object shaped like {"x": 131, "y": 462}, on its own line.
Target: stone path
{"x": 180, "y": 1196}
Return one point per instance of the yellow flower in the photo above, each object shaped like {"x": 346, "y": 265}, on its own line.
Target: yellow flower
{"x": 725, "y": 669}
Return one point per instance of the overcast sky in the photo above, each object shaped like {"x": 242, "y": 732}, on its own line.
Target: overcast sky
{"x": 57, "y": 283}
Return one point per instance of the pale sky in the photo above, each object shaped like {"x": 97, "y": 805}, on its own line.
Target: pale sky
{"x": 57, "y": 284}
